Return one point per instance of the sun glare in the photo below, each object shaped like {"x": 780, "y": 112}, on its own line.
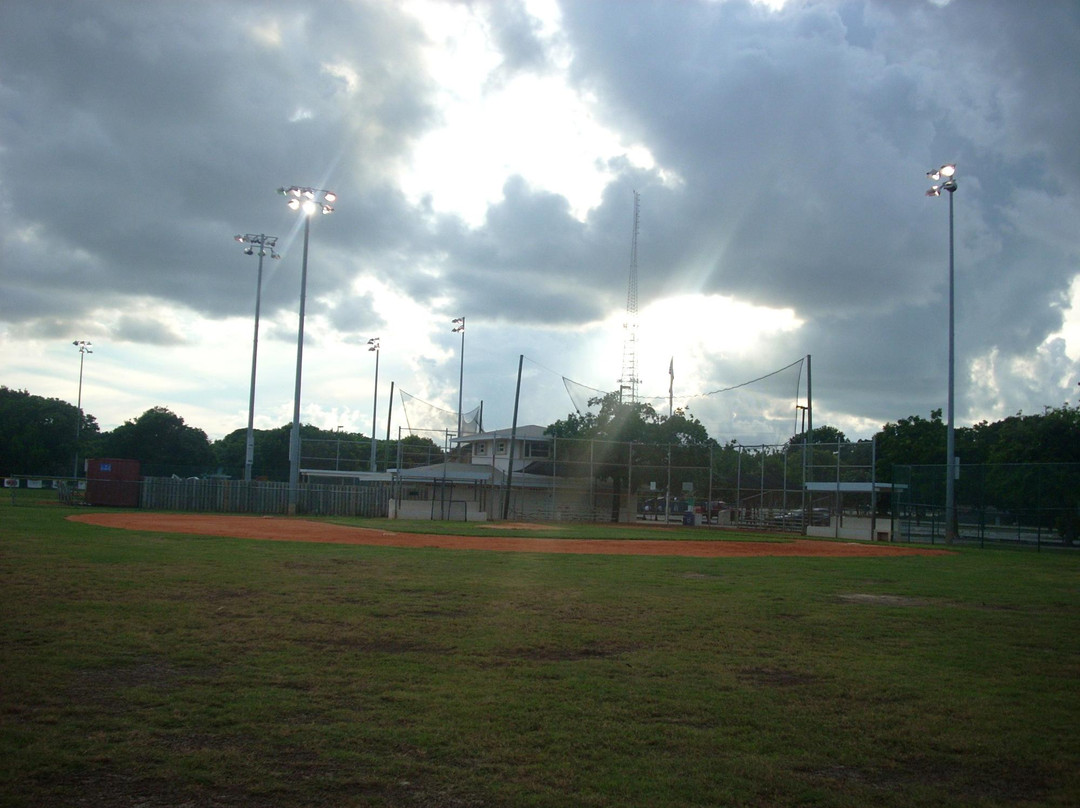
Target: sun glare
{"x": 696, "y": 333}
{"x": 701, "y": 325}
{"x": 495, "y": 126}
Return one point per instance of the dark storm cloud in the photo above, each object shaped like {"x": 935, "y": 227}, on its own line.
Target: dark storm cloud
{"x": 354, "y": 314}
{"x": 791, "y": 147}
{"x": 146, "y": 330}
{"x": 532, "y": 260}
{"x": 802, "y": 137}
{"x": 156, "y": 131}
{"x": 786, "y": 137}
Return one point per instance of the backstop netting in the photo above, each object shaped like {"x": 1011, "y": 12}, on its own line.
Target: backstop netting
{"x": 423, "y": 417}
{"x": 761, "y": 411}
{"x": 592, "y": 480}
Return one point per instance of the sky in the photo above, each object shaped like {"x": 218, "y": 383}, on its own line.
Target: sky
{"x": 486, "y": 157}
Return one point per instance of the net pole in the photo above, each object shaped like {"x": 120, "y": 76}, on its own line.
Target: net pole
{"x": 738, "y": 478}
{"x": 513, "y": 437}
{"x": 708, "y": 505}
{"x": 554, "y": 476}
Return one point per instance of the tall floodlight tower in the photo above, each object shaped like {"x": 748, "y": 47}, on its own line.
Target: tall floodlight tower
{"x": 628, "y": 381}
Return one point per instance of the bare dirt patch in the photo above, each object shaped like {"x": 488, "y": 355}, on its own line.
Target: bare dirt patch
{"x": 773, "y": 677}
{"x": 276, "y": 528}
{"x": 882, "y": 600}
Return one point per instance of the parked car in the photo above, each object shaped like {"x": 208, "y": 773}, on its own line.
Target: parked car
{"x": 657, "y": 508}
{"x": 679, "y": 506}
{"x": 711, "y": 510}
{"x": 818, "y": 517}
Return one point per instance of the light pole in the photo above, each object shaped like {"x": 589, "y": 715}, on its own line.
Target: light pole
{"x": 459, "y": 327}
{"x": 309, "y": 201}
{"x": 944, "y": 179}
{"x": 84, "y": 349}
{"x": 265, "y": 246}
{"x": 373, "y": 345}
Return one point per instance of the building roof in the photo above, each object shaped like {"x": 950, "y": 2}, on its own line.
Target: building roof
{"x": 527, "y": 432}
{"x": 454, "y": 473}
{"x": 360, "y": 476}
{"x": 851, "y": 488}
{"x": 472, "y": 473}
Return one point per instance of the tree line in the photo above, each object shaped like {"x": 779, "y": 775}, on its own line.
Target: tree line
{"x": 43, "y": 436}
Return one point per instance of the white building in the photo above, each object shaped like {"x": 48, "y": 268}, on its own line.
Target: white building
{"x": 476, "y": 486}
{"x": 530, "y": 448}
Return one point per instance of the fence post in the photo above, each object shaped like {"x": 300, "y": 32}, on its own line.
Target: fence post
{"x": 708, "y": 505}
{"x": 554, "y": 477}
{"x": 592, "y": 480}
{"x": 738, "y": 479}
{"x": 839, "y": 499}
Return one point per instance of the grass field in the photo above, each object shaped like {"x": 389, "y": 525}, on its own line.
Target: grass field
{"x": 148, "y": 669}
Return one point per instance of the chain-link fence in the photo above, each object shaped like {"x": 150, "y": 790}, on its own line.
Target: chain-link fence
{"x": 1007, "y": 504}
{"x": 421, "y": 448}
{"x": 787, "y": 487}
{"x": 589, "y": 480}
{"x": 783, "y": 487}
{"x": 759, "y": 487}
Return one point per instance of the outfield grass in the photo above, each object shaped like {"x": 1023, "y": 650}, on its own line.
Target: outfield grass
{"x": 146, "y": 669}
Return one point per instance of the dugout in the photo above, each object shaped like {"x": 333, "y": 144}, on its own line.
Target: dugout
{"x": 848, "y": 522}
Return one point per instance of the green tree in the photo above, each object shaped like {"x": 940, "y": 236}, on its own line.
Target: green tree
{"x": 820, "y": 434}
{"x": 161, "y": 441}
{"x": 683, "y": 429}
{"x": 37, "y": 435}
{"x": 575, "y": 425}
{"x": 1052, "y": 437}
{"x": 322, "y": 448}
{"x": 1047, "y": 491}
{"x": 1023, "y": 461}
{"x": 623, "y": 439}
{"x": 911, "y": 441}
{"x": 418, "y": 451}
{"x": 270, "y": 460}
{"x": 231, "y": 450}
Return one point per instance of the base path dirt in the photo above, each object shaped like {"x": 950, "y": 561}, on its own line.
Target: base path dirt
{"x": 273, "y": 528}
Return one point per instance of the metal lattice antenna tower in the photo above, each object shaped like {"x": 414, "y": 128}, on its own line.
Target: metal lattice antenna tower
{"x": 628, "y": 381}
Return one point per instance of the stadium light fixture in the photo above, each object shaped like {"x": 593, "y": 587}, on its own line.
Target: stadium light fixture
{"x": 459, "y": 328}
{"x": 944, "y": 179}
{"x": 308, "y": 200}
{"x": 265, "y": 245}
{"x": 373, "y": 345}
{"x": 84, "y": 349}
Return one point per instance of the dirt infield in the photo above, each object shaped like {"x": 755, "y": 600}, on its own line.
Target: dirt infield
{"x": 272, "y": 528}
